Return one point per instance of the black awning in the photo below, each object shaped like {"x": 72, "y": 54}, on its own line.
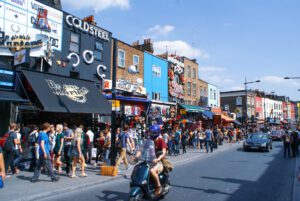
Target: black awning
{"x": 11, "y": 96}
{"x": 63, "y": 94}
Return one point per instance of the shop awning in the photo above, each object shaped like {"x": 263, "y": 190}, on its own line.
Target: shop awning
{"x": 208, "y": 114}
{"x": 63, "y": 94}
{"x": 226, "y": 118}
{"x": 11, "y": 96}
{"x": 191, "y": 108}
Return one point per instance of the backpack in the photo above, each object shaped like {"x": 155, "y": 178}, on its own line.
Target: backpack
{"x": 9, "y": 144}
{"x": 119, "y": 142}
{"x": 177, "y": 137}
{"x": 32, "y": 139}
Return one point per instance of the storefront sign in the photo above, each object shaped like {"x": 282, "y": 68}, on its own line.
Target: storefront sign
{"x": 18, "y": 17}
{"x": 7, "y": 79}
{"x": 115, "y": 105}
{"x": 132, "y": 110}
{"x": 73, "y": 92}
{"x": 21, "y": 57}
{"x": 124, "y": 85}
{"x": 86, "y": 27}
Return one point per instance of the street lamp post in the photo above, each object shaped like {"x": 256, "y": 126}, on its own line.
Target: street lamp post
{"x": 246, "y": 89}
{"x": 291, "y": 78}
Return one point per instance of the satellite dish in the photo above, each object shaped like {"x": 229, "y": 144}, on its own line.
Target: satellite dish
{"x": 132, "y": 69}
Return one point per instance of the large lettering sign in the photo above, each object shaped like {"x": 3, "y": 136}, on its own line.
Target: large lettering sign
{"x": 124, "y": 85}
{"x": 30, "y": 17}
{"x": 86, "y": 27}
{"x": 176, "y": 77}
{"x": 7, "y": 79}
{"x": 73, "y": 92}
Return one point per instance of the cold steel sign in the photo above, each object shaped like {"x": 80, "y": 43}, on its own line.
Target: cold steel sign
{"x": 86, "y": 27}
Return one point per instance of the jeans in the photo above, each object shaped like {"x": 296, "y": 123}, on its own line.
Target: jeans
{"x": 201, "y": 143}
{"x": 33, "y": 159}
{"x": 99, "y": 153}
{"x": 18, "y": 158}
{"x": 9, "y": 158}
{"x": 89, "y": 153}
{"x": 287, "y": 147}
{"x": 67, "y": 158}
{"x": 46, "y": 163}
{"x": 170, "y": 146}
{"x": 106, "y": 156}
{"x": 176, "y": 148}
{"x": 183, "y": 147}
{"x": 208, "y": 145}
{"x": 195, "y": 143}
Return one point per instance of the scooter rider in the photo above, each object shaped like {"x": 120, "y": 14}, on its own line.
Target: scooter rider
{"x": 154, "y": 149}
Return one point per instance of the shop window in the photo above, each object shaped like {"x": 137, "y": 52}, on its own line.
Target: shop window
{"x": 155, "y": 96}
{"x": 74, "y": 42}
{"x": 194, "y": 89}
{"x": 156, "y": 71}
{"x": 194, "y": 73}
{"x": 98, "y": 52}
{"x": 121, "y": 58}
{"x": 188, "y": 88}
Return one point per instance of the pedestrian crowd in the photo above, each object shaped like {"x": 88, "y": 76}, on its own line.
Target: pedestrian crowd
{"x": 54, "y": 148}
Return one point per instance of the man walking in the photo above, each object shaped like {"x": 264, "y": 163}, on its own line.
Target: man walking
{"x": 44, "y": 155}
{"x": 209, "y": 138}
{"x": 90, "y": 135}
{"x": 287, "y": 144}
{"x": 10, "y": 144}
{"x": 124, "y": 141}
{"x": 68, "y": 137}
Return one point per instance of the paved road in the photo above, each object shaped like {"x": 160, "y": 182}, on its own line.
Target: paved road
{"x": 232, "y": 175}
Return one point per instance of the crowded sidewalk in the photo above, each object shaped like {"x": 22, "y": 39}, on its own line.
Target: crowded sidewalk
{"x": 16, "y": 187}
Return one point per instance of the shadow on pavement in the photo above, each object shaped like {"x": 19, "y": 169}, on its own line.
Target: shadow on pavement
{"x": 113, "y": 196}
{"x": 274, "y": 184}
{"x": 210, "y": 191}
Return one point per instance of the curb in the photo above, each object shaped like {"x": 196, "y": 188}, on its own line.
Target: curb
{"x": 109, "y": 179}
{"x": 296, "y": 185}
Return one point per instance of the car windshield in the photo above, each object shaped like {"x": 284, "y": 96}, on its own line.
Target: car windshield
{"x": 258, "y": 136}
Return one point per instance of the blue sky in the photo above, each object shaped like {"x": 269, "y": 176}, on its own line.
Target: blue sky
{"x": 230, "y": 39}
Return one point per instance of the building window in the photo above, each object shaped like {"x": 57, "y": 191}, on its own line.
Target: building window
{"x": 188, "y": 71}
{"x": 74, "y": 42}
{"x": 98, "y": 52}
{"x": 155, "y": 96}
{"x": 121, "y": 58}
{"x": 194, "y": 73}
{"x": 215, "y": 95}
{"x": 194, "y": 89}
{"x": 211, "y": 94}
{"x": 136, "y": 60}
{"x": 189, "y": 88}
{"x": 156, "y": 71}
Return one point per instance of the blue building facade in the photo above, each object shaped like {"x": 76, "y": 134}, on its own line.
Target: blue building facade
{"x": 156, "y": 77}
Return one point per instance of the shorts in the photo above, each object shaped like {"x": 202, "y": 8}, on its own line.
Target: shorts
{"x": 159, "y": 166}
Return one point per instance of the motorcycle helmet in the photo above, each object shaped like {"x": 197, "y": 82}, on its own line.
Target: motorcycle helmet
{"x": 154, "y": 131}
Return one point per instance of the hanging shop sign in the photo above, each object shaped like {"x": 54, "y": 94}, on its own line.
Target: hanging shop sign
{"x": 21, "y": 57}
{"x": 19, "y": 17}
{"x": 73, "y": 92}
{"x": 116, "y": 106}
{"x": 124, "y": 85}
{"x": 86, "y": 27}
{"x": 7, "y": 79}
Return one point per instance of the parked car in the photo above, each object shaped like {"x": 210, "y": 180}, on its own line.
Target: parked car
{"x": 258, "y": 141}
{"x": 276, "y": 135}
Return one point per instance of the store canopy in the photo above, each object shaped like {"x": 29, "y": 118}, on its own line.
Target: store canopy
{"x": 11, "y": 96}
{"x": 208, "y": 114}
{"x": 129, "y": 98}
{"x": 226, "y": 118}
{"x": 63, "y": 94}
{"x": 191, "y": 108}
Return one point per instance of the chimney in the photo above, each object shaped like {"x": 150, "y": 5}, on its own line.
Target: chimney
{"x": 147, "y": 46}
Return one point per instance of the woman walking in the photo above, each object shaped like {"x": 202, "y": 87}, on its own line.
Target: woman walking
{"x": 59, "y": 143}
{"x": 77, "y": 155}
{"x": 184, "y": 140}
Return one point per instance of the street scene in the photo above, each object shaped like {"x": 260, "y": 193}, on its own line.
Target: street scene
{"x": 149, "y": 100}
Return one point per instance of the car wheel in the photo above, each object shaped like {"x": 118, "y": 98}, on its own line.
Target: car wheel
{"x": 245, "y": 150}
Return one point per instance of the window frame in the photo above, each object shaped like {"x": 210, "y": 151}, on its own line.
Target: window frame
{"x": 98, "y": 50}
{"x": 138, "y": 57}
{"x": 188, "y": 88}
{"x": 189, "y": 73}
{"x": 73, "y": 42}
{"x": 121, "y": 50}
{"x": 156, "y": 70}
{"x": 194, "y": 73}
{"x": 194, "y": 90}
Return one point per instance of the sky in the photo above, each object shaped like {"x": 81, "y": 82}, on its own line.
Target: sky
{"x": 231, "y": 39}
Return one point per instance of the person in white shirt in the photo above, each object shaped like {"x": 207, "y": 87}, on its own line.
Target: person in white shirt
{"x": 19, "y": 151}
{"x": 91, "y": 145}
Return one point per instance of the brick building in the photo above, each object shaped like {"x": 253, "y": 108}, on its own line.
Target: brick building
{"x": 203, "y": 92}
{"x": 191, "y": 95}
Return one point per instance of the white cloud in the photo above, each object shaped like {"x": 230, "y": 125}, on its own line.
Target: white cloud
{"x": 97, "y": 5}
{"x": 160, "y": 30}
{"x": 237, "y": 88}
{"x": 181, "y": 48}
